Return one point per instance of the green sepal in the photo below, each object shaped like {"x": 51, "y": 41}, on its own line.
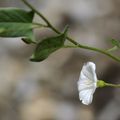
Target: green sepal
{"x": 101, "y": 83}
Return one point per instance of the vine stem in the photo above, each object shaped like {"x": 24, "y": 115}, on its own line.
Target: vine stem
{"x": 37, "y": 12}
{"x": 77, "y": 45}
{"x": 94, "y": 49}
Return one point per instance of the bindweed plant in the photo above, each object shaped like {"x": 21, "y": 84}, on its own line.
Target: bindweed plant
{"x": 15, "y": 22}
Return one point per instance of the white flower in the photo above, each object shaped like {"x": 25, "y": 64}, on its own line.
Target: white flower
{"x": 87, "y": 83}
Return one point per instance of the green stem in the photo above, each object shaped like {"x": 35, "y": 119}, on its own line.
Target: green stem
{"x": 94, "y": 49}
{"x": 70, "y": 39}
{"x": 47, "y": 22}
{"x": 102, "y": 52}
{"x": 112, "y": 49}
{"x": 101, "y": 84}
{"x": 36, "y": 11}
{"x": 112, "y": 85}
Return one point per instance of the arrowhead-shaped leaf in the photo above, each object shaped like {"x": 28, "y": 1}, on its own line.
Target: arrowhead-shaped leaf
{"x": 16, "y": 22}
{"x": 48, "y": 46}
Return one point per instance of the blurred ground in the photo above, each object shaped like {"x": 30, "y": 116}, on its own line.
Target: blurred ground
{"x": 48, "y": 90}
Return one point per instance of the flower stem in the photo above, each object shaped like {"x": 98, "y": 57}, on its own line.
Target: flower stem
{"x": 112, "y": 85}
{"x": 77, "y": 45}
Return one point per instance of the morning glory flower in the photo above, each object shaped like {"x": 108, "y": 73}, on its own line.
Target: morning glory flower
{"x": 87, "y": 83}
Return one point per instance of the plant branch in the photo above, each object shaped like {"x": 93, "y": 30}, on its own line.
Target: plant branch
{"x": 77, "y": 45}
{"x": 94, "y": 49}
{"x": 36, "y": 11}
{"x": 45, "y": 20}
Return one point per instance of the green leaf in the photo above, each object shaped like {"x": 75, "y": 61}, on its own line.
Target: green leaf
{"x": 48, "y": 46}
{"x": 16, "y": 22}
{"x": 115, "y": 43}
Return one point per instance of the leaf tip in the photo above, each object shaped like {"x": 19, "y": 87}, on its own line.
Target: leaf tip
{"x": 28, "y": 40}
{"x": 33, "y": 58}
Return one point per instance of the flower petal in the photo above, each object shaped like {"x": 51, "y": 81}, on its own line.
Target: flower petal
{"x": 88, "y": 73}
{"x": 82, "y": 86}
{"x": 86, "y": 96}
